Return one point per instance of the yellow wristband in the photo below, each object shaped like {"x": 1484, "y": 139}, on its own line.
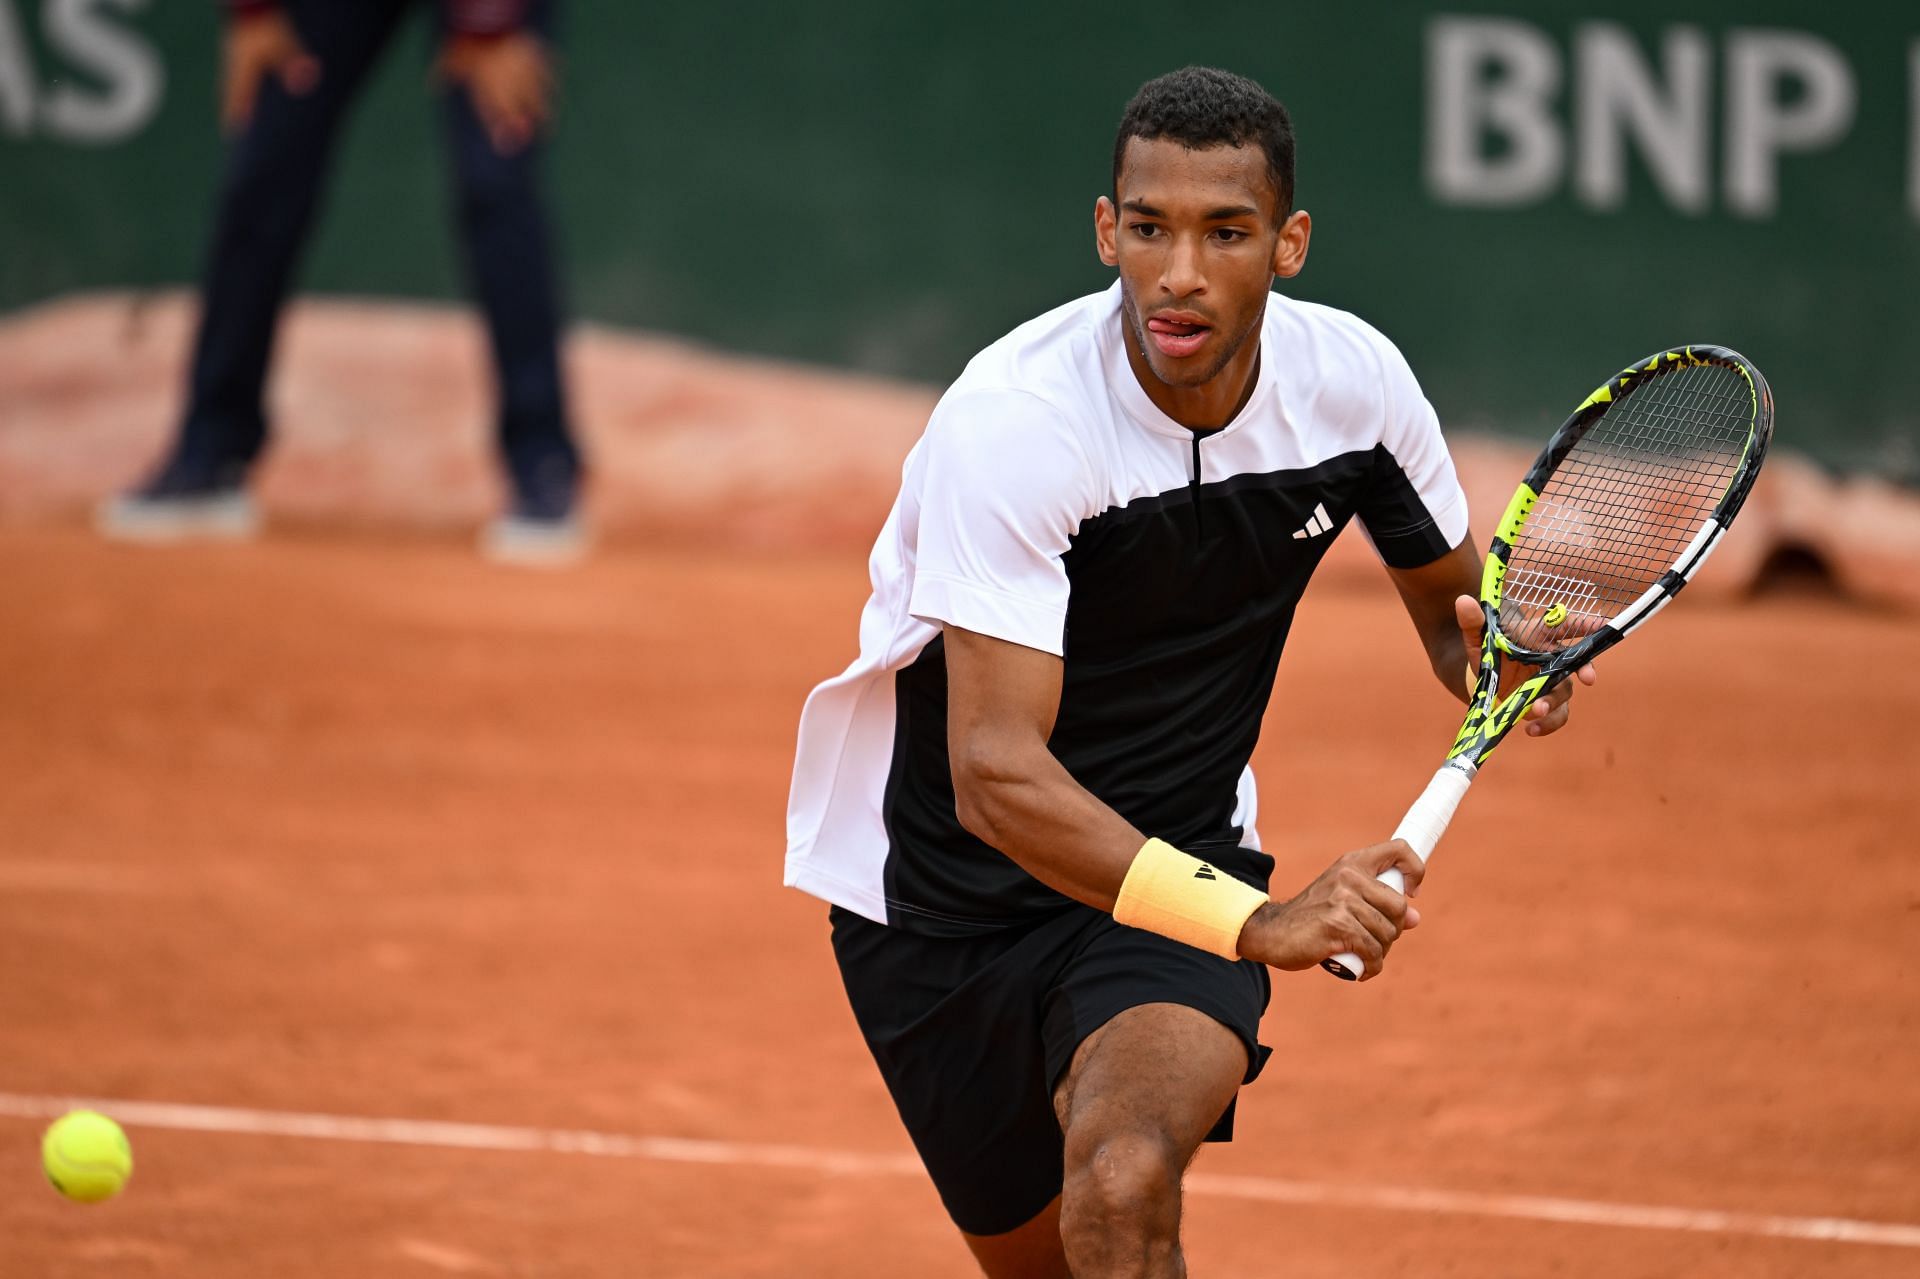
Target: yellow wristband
{"x": 1179, "y": 896}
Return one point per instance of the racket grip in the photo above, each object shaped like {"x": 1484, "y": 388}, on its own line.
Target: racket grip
{"x": 1422, "y": 827}
{"x": 1427, "y": 820}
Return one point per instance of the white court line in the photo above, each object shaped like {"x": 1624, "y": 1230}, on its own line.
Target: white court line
{"x": 417, "y": 1132}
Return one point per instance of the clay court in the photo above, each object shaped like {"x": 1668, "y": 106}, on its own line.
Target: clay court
{"x": 346, "y": 825}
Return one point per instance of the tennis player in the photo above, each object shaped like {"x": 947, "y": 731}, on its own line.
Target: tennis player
{"x": 1028, "y": 800}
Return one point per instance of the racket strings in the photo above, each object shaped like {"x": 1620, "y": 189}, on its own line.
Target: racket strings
{"x": 1625, "y": 503}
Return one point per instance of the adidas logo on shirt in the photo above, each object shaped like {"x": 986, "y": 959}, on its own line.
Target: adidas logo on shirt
{"x": 1317, "y": 525}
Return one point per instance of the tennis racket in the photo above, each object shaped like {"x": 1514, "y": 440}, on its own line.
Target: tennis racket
{"x": 1620, "y": 509}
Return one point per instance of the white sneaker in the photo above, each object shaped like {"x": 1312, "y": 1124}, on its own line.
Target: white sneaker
{"x": 535, "y": 543}
{"x": 215, "y": 515}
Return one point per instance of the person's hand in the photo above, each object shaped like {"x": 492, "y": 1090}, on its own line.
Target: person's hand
{"x": 1547, "y": 715}
{"x": 260, "y": 44}
{"x": 510, "y": 79}
{"x": 1346, "y": 910}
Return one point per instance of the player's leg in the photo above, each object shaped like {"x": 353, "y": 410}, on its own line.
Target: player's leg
{"x": 1141, "y": 1095}
{"x": 1030, "y": 1251}
{"x": 1147, "y": 1041}
{"x": 509, "y": 259}
{"x": 274, "y": 170}
{"x": 954, "y": 1024}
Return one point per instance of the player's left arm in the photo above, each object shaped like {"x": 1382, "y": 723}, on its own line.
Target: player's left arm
{"x": 1412, "y": 509}
{"x": 1442, "y": 599}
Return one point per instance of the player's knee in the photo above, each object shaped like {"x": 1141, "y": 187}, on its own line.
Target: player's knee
{"x": 1128, "y": 1181}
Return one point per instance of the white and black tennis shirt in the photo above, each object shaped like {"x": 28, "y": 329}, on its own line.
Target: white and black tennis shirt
{"x": 1052, "y": 505}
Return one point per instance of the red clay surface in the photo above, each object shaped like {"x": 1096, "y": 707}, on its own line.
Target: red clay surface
{"x": 331, "y": 823}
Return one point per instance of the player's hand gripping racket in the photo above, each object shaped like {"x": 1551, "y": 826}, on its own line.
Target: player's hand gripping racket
{"x": 1618, "y": 512}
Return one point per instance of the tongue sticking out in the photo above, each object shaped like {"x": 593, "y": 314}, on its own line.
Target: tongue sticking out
{"x": 1177, "y": 338}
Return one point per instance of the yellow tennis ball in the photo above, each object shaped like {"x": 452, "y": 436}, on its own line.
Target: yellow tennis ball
{"x": 86, "y": 1156}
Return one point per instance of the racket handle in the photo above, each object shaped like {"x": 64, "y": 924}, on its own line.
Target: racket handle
{"x": 1422, "y": 827}
{"x": 1427, "y": 820}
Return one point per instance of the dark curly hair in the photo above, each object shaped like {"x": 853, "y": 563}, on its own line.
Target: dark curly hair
{"x": 1201, "y": 107}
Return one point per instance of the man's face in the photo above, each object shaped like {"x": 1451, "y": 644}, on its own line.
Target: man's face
{"x": 1197, "y": 238}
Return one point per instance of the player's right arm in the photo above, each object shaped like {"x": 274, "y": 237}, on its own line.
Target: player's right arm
{"x": 1011, "y": 792}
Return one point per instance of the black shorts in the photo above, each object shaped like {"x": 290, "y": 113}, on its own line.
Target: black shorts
{"x": 973, "y": 1033}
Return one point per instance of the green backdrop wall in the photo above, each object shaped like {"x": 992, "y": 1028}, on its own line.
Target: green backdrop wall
{"x": 1523, "y": 195}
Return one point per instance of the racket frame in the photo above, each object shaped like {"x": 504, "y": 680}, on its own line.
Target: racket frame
{"x": 1490, "y": 717}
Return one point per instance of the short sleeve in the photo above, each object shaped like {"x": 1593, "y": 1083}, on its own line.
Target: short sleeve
{"x": 1003, "y": 487}
{"x": 1413, "y": 508}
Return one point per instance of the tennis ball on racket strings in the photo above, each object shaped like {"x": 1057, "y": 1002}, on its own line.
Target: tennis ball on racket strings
{"x": 86, "y": 1156}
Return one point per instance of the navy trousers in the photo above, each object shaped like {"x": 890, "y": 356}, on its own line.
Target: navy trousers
{"x": 275, "y": 169}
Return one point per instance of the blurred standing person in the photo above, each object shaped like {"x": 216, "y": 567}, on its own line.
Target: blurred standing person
{"x": 292, "y": 67}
